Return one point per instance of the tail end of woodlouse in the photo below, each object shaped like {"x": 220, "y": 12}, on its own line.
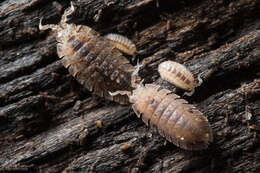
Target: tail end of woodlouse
{"x": 199, "y": 136}
{"x": 206, "y": 140}
{"x": 196, "y": 145}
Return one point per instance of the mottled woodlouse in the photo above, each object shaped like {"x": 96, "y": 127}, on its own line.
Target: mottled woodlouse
{"x": 178, "y": 75}
{"x": 175, "y": 119}
{"x": 93, "y": 60}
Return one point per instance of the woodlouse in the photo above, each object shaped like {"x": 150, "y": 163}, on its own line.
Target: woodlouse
{"x": 96, "y": 63}
{"x": 122, "y": 43}
{"x": 178, "y": 75}
{"x": 175, "y": 119}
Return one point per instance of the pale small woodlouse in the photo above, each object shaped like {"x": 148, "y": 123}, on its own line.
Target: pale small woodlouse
{"x": 178, "y": 75}
{"x": 179, "y": 122}
{"x": 96, "y": 63}
{"x": 122, "y": 43}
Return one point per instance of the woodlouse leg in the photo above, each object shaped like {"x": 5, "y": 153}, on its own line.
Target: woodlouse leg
{"x": 199, "y": 83}
{"x": 133, "y": 58}
{"x": 128, "y": 93}
{"x": 189, "y": 93}
{"x": 135, "y": 78}
{"x": 200, "y": 79}
{"x": 68, "y": 12}
{"x": 49, "y": 26}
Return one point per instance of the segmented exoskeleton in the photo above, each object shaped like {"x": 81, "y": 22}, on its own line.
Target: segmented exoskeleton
{"x": 175, "y": 119}
{"x": 92, "y": 59}
{"x": 122, "y": 43}
{"x": 178, "y": 75}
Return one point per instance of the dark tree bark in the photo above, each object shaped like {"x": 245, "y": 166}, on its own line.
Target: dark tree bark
{"x": 48, "y": 120}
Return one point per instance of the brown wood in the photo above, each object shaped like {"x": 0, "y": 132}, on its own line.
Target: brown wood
{"x": 48, "y": 120}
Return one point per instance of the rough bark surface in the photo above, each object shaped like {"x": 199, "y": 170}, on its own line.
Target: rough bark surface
{"x": 48, "y": 120}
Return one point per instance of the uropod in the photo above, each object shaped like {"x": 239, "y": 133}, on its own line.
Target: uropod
{"x": 178, "y": 75}
{"x": 93, "y": 60}
{"x": 179, "y": 122}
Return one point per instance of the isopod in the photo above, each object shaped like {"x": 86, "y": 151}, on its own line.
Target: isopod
{"x": 96, "y": 63}
{"x": 179, "y": 122}
{"x": 178, "y": 75}
{"x": 122, "y": 43}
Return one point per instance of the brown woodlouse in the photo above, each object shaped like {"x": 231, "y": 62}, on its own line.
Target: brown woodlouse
{"x": 175, "y": 119}
{"x": 96, "y": 63}
{"x": 178, "y": 75}
{"x": 122, "y": 43}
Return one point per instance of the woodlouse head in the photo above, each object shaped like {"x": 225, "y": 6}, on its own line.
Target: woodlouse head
{"x": 63, "y": 29}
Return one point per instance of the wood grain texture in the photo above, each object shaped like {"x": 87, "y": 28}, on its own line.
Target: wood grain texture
{"x": 44, "y": 112}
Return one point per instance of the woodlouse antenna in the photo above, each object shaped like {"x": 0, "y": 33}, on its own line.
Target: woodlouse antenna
{"x": 49, "y": 26}
{"x": 62, "y": 22}
{"x": 68, "y": 12}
